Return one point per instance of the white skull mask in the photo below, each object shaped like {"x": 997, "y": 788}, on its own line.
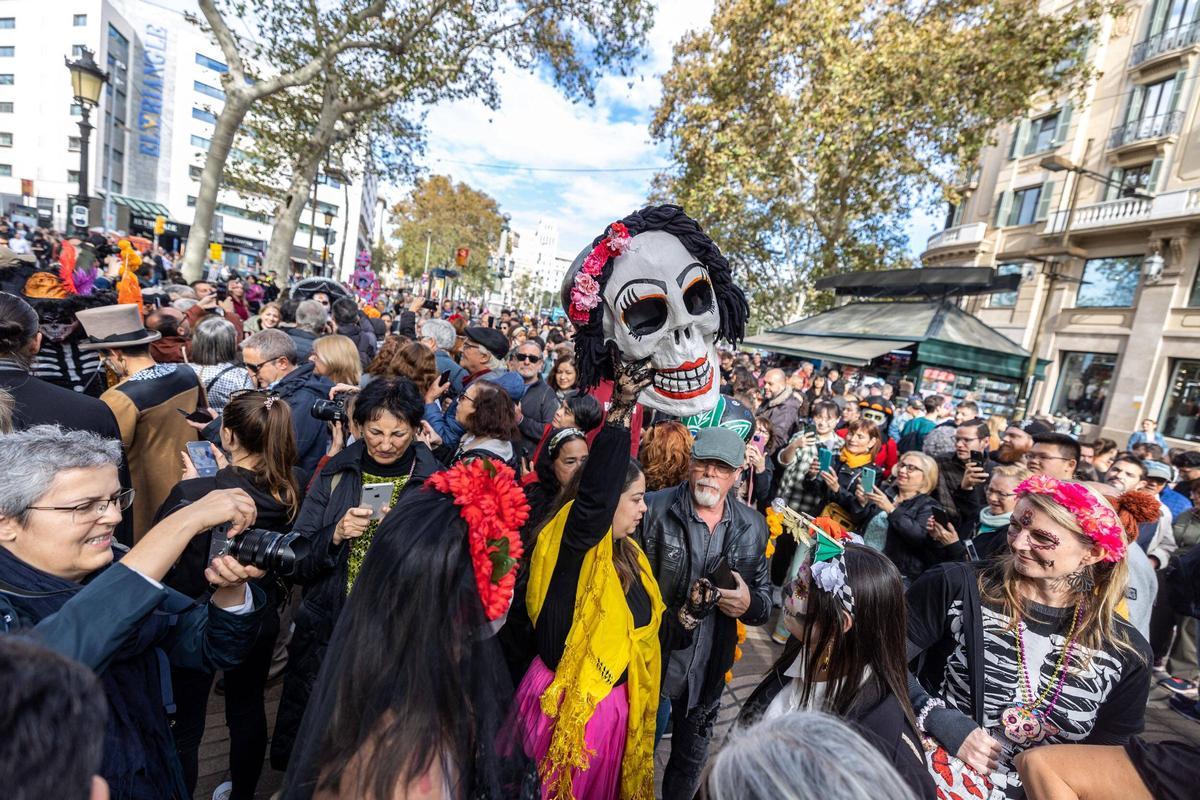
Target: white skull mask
{"x": 660, "y": 304}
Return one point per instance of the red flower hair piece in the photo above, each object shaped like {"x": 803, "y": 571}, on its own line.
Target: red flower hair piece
{"x": 494, "y": 508}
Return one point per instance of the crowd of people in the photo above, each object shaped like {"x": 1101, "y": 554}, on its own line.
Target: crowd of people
{"x": 475, "y": 577}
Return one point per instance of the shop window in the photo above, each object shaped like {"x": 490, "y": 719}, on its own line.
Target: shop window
{"x": 1083, "y": 386}
{"x": 1005, "y": 299}
{"x": 1181, "y": 409}
{"x": 1109, "y": 282}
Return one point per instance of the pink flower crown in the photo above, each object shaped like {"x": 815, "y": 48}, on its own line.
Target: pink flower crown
{"x": 1097, "y": 520}
{"x": 585, "y": 292}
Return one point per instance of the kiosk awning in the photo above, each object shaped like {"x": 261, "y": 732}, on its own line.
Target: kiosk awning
{"x": 845, "y": 350}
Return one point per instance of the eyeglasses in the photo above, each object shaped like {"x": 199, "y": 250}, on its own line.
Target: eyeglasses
{"x": 720, "y": 467}
{"x": 89, "y": 512}
{"x": 966, "y": 440}
{"x": 526, "y": 357}
{"x": 997, "y": 493}
{"x": 908, "y": 467}
{"x": 1031, "y": 456}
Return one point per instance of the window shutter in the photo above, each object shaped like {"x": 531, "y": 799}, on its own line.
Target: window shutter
{"x": 1158, "y": 17}
{"x": 1003, "y": 207}
{"x": 1043, "y": 206}
{"x": 1116, "y": 180}
{"x": 1177, "y": 90}
{"x": 1064, "y": 122}
{"x": 1020, "y": 135}
{"x": 1152, "y": 180}
{"x": 1135, "y": 104}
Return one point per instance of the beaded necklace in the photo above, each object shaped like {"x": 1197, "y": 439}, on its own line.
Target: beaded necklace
{"x": 1027, "y": 722}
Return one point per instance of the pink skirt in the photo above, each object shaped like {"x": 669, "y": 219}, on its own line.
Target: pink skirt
{"x": 604, "y": 734}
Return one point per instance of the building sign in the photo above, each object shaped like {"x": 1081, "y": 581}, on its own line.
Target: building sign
{"x": 149, "y": 118}
{"x": 170, "y": 226}
{"x": 244, "y": 242}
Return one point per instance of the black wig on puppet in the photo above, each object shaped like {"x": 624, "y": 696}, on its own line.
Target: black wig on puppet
{"x": 654, "y": 286}
{"x": 412, "y": 692}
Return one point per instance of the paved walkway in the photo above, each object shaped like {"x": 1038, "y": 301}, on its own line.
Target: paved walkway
{"x": 758, "y": 654}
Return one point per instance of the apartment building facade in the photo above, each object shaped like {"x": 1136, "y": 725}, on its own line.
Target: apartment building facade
{"x": 1095, "y": 201}
{"x": 152, "y": 131}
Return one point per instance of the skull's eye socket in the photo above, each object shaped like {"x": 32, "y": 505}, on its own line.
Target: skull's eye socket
{"x": 698, "y": 297}
{"x": 645, "y": 316}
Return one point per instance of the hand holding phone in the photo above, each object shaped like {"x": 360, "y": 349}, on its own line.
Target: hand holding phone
{"x": 202, "y": 458}
{"x": 376, "y": 496}
{"x": 825, "y": 458}
{"x": 722, "y": 576}
{"x": 867, "y": 479}
{"x": 941, "y": 517}
{"x": 198, "y": 416}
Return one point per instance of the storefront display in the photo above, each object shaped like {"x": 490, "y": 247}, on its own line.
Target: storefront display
{"x": 995, "y": 396}
{"x": 1083, "y": 386}
{"x": 1181, "y": 411}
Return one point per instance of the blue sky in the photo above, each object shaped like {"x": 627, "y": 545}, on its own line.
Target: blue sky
{"x": 537, "y": 126}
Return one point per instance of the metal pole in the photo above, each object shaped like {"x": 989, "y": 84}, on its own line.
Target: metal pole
{"x": 85, "y": 131}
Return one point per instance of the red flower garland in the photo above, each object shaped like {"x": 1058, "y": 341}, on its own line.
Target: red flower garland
{"x": 494, "y": 508}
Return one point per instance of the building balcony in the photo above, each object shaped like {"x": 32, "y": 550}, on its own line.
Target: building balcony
{"x": 960, "y": 236}
{"x": 1141, "y": 130}
{"x": 1168, "y": 41}
{"x": 1128, "y": 211}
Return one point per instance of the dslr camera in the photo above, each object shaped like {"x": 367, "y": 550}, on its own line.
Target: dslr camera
{"x": 329, "y": 410}
{"x": 267, "y": 550}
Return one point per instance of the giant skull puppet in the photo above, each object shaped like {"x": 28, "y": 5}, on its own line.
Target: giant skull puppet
{"x": 655, "y": 286}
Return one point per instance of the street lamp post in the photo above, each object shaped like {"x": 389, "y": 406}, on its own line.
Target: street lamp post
{"x": 325, "y": 249}
{"x": 87, "y": 79}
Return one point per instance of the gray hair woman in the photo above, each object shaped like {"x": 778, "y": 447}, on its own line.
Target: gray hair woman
{"x": 798, "y": 756}
{"x": 213, "y": 354}
{"x": 60, "y": 502}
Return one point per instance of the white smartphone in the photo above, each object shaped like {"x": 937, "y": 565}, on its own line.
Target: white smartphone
{"x": 375, "y": 496}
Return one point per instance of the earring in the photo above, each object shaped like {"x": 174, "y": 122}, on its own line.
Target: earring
{"x": 1081, "y": 581}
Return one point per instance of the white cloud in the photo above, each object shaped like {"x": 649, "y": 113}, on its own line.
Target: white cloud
{"x": 537, "y": 126}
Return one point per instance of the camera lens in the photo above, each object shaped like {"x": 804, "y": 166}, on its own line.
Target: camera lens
{"x": 270, "y": 551}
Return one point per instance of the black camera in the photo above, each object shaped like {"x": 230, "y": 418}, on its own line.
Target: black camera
{"x": 329, "y": 410}
{"x": 267, "y": 550}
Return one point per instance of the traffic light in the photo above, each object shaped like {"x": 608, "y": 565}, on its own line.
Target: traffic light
{"x": 160, "y": 225}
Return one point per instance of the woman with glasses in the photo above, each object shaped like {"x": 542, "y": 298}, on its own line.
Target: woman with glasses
{"x": 256, "y": 432}
{"x": 489, "y": 421}
{"x": 991, "y": 532}
{"x": 62, "y": 580}
{"x": 385, "y": 420}
{"x": 907, "y": 507}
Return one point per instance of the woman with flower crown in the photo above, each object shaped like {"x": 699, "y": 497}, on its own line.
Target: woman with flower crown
{"x": 414, "y": 691}
{"x": 1028, "y": 648}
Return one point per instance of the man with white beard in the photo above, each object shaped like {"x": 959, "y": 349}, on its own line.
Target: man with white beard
{"x": 691, "y": 531}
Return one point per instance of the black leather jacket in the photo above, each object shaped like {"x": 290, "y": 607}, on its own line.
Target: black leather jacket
{"x": 663, "y": 537}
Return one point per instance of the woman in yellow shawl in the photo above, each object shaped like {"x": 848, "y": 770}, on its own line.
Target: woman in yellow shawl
{"x": 588, "y": 702}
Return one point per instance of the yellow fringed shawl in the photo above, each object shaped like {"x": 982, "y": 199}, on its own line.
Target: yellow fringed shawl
{"x": 601, "y": 644}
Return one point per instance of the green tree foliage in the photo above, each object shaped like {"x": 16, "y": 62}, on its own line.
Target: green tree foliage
{"x": 447, "y": 216}
{"x": 805, "y": 134}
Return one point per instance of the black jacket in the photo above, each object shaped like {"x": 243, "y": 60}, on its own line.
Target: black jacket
{"x": 663, "y": 537}
{"x": 303, "y": 340}
{"x": 909, "y": 544}
{"x": 299, "y": 389}
{"x": 323, "y": 574}
{"x": 363, "y": 335}
{"x": 877, "y": 716}
{"x": 962, "y": 506}
{"x": 537, "y": 410}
